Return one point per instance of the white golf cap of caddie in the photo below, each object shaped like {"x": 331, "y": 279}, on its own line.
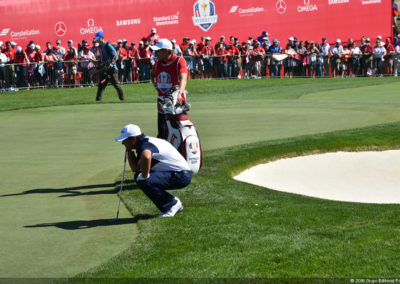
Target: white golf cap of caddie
{"x": 162, "y": 44}
{"x": 127, "y": 131}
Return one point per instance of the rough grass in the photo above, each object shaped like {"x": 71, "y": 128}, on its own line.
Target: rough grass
{"x": 231, "y": 229}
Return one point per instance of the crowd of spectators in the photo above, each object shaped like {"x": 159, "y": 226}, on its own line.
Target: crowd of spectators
{"x": 56, "y": 66}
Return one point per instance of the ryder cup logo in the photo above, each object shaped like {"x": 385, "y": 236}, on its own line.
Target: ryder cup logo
{"x": 164, "y": 82}
{"x": 204, "y": 14}
{"x": 280, "y": 6}
{"x": 194, "y": 147}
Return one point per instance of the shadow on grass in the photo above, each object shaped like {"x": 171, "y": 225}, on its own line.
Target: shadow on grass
{"x": 76, "y": 191}
{"x": 87, "y": 224}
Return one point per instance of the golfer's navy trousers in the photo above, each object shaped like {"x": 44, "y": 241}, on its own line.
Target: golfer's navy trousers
{"x": 156, "y": 185}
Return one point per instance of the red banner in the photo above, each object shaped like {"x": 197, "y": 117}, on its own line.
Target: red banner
{"x": 43, "y": 20}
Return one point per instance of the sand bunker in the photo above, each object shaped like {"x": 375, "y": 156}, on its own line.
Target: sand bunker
{"x": 368, "y": 177}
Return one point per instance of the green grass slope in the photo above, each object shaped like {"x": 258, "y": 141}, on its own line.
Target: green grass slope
{"x": 60, "y": 163}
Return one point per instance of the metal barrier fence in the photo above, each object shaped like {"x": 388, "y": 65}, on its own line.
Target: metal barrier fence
{"x": 80, "y": 73}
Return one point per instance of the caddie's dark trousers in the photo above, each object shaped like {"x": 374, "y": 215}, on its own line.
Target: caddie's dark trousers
{"x": 156, "y": 185}
{"x": 104, "y": 79}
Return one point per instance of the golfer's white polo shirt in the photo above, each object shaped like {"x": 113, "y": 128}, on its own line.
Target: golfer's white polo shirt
{"x": 164, "y": 156}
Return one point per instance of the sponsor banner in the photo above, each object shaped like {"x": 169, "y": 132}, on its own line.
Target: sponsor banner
{"x": 304, "y": 19}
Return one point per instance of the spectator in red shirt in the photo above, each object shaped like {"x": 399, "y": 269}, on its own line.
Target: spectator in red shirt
{"x": 256, "y": 58}
{"x": 131, "y": 62}
{"x": 389, "y": 57}
{"x": 10, "y": 53}
{"x": 71, "y": 62}
{"x": 221, "y": 60}
{"x": 234, "y": 55}
{"x": 39, "y": 67}
{"x": 153, "y": 37}
{"x": 21, "y": 61}
{"x": 367, "y": 57}
{"x": 146, "y": 57}
{"x": 184, "y": 44}
{"x": 50, "y": 58}
{"x": 206, "y": 54}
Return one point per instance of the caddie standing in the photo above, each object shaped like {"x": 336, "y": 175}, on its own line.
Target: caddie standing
{"x": 108, "y": 57}
{"x": 169, "y": 72}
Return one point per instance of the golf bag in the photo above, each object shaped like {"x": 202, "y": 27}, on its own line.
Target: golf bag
{"x": 181, "y": 132}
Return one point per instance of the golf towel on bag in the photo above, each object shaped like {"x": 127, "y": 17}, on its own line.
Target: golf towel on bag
{"x": 183, "y": 136}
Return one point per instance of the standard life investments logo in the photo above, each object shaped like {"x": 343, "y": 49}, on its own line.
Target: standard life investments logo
{"x": 204, "y": 14}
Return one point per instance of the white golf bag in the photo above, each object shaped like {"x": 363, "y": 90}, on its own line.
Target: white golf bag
{"x": 181, "y": 132}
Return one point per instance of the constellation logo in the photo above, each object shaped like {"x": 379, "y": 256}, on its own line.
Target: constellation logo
{"x": 307, "y": 7}
{"x": 204, "y": 14}
{"x": 280, "y": 6}
{"x": 60, "y": 29}
{"x": 4, "y": 32}
{"x": 91, "y": 28}
{"x": 233, "y": 9}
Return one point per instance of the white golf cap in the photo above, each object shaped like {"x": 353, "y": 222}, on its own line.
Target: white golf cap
{"x": 291, "y": 38}
{"x": 1, "y": 43}
{"x": 153, "y": 30}
{"x": 37, "y": 46}
{"x": 162, "y": 44}
{"x": 127, "y": 131}
{"x": 379, "y": 37}
{"x": 173, "y": 40}
{"x": 338, "y": 40}
{"x": 208, "y": 38}
{"x": 19, "y": 49}
{"x": 13, "y": 43}
{"x": 70, "y": 41}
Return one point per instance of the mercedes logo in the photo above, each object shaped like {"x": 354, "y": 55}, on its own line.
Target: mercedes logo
{"x": 60, "y": 29}
{"x": 280, "y": 6}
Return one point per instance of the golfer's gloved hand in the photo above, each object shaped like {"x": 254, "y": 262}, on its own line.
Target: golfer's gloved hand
{"x": 140, "y": 177}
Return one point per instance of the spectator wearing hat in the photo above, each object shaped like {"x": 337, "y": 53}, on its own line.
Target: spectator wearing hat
{"x": 325, "y": 48}
{"x": 71, "y": 45}
{"x": 108, "y": 59}
{"x": 263, "y": 35}
{"x": 290, "y": 61}
{"x": 153, "y": 37}
{"x": 336, "y": 55}
{"x": 274, "y": 67}
{"x": 30, "y": 53}
{"x": 21, "y": 62}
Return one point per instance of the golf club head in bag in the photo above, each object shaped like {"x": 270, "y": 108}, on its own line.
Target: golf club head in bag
{"x": 170, "y": 104}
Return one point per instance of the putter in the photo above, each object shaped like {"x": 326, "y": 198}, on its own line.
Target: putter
{"x": 120, "y": 189}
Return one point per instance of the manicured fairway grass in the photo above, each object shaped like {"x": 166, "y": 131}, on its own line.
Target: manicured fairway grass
{"x": 59, "y": 165}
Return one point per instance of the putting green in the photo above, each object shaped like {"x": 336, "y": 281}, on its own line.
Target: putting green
{"x": 59, "y": 164}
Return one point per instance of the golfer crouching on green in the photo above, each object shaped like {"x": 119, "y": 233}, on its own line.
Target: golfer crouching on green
{"x": 158, "y": 166}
